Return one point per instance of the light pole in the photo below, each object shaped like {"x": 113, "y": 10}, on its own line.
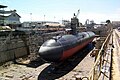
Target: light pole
{"x": 54, "y": 18}
{"x": 31, "y": 17}
{"x": 44, "y": 17}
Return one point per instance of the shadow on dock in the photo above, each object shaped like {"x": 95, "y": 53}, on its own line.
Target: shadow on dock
{"x": 33, "y": 64}
{"x": 65, "y": 67}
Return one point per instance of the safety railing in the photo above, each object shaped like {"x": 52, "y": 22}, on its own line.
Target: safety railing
{"x": 102, "y": 63}
{"x": 96, "y": 71}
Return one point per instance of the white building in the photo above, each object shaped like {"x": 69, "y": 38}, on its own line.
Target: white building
{"x": 12, "y": 18}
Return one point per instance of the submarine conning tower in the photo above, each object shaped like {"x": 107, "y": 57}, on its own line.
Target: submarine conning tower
{"x": 74, "y": 23}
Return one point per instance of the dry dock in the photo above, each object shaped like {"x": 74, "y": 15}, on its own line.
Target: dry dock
{"x": 78, "y": 66}
{"x": 39, "y": 70}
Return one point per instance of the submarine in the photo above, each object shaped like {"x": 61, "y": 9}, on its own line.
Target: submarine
{"x": 60, "y": 48}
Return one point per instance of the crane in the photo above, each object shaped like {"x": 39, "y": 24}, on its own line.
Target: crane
{"x": 77, "y": 13}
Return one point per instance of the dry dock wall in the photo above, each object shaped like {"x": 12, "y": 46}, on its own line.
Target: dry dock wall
{"x": 15, "y": 46}
{"x": 11, "y": 49}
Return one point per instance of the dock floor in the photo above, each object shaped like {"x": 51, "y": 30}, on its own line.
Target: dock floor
{"x": 39, "y": 70}
{"x": 116, "y": 56}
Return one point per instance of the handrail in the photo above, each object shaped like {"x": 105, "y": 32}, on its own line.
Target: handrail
{"x": 99, "y": 56}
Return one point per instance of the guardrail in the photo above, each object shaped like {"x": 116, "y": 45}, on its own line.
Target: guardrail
{"x": 102, "y": 63}
{"x": 96, "y": 71}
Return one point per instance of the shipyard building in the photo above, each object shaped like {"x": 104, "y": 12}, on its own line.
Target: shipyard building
{"x": 10, "y": 18}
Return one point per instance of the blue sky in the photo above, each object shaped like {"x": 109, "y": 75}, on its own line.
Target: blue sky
{"x": 56, "y": 10}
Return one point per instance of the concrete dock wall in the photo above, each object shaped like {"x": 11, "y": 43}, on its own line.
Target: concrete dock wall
{"x": 11, "y": 49}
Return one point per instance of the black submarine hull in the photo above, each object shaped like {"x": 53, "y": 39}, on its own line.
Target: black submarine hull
{"x": 63, "y": 47}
